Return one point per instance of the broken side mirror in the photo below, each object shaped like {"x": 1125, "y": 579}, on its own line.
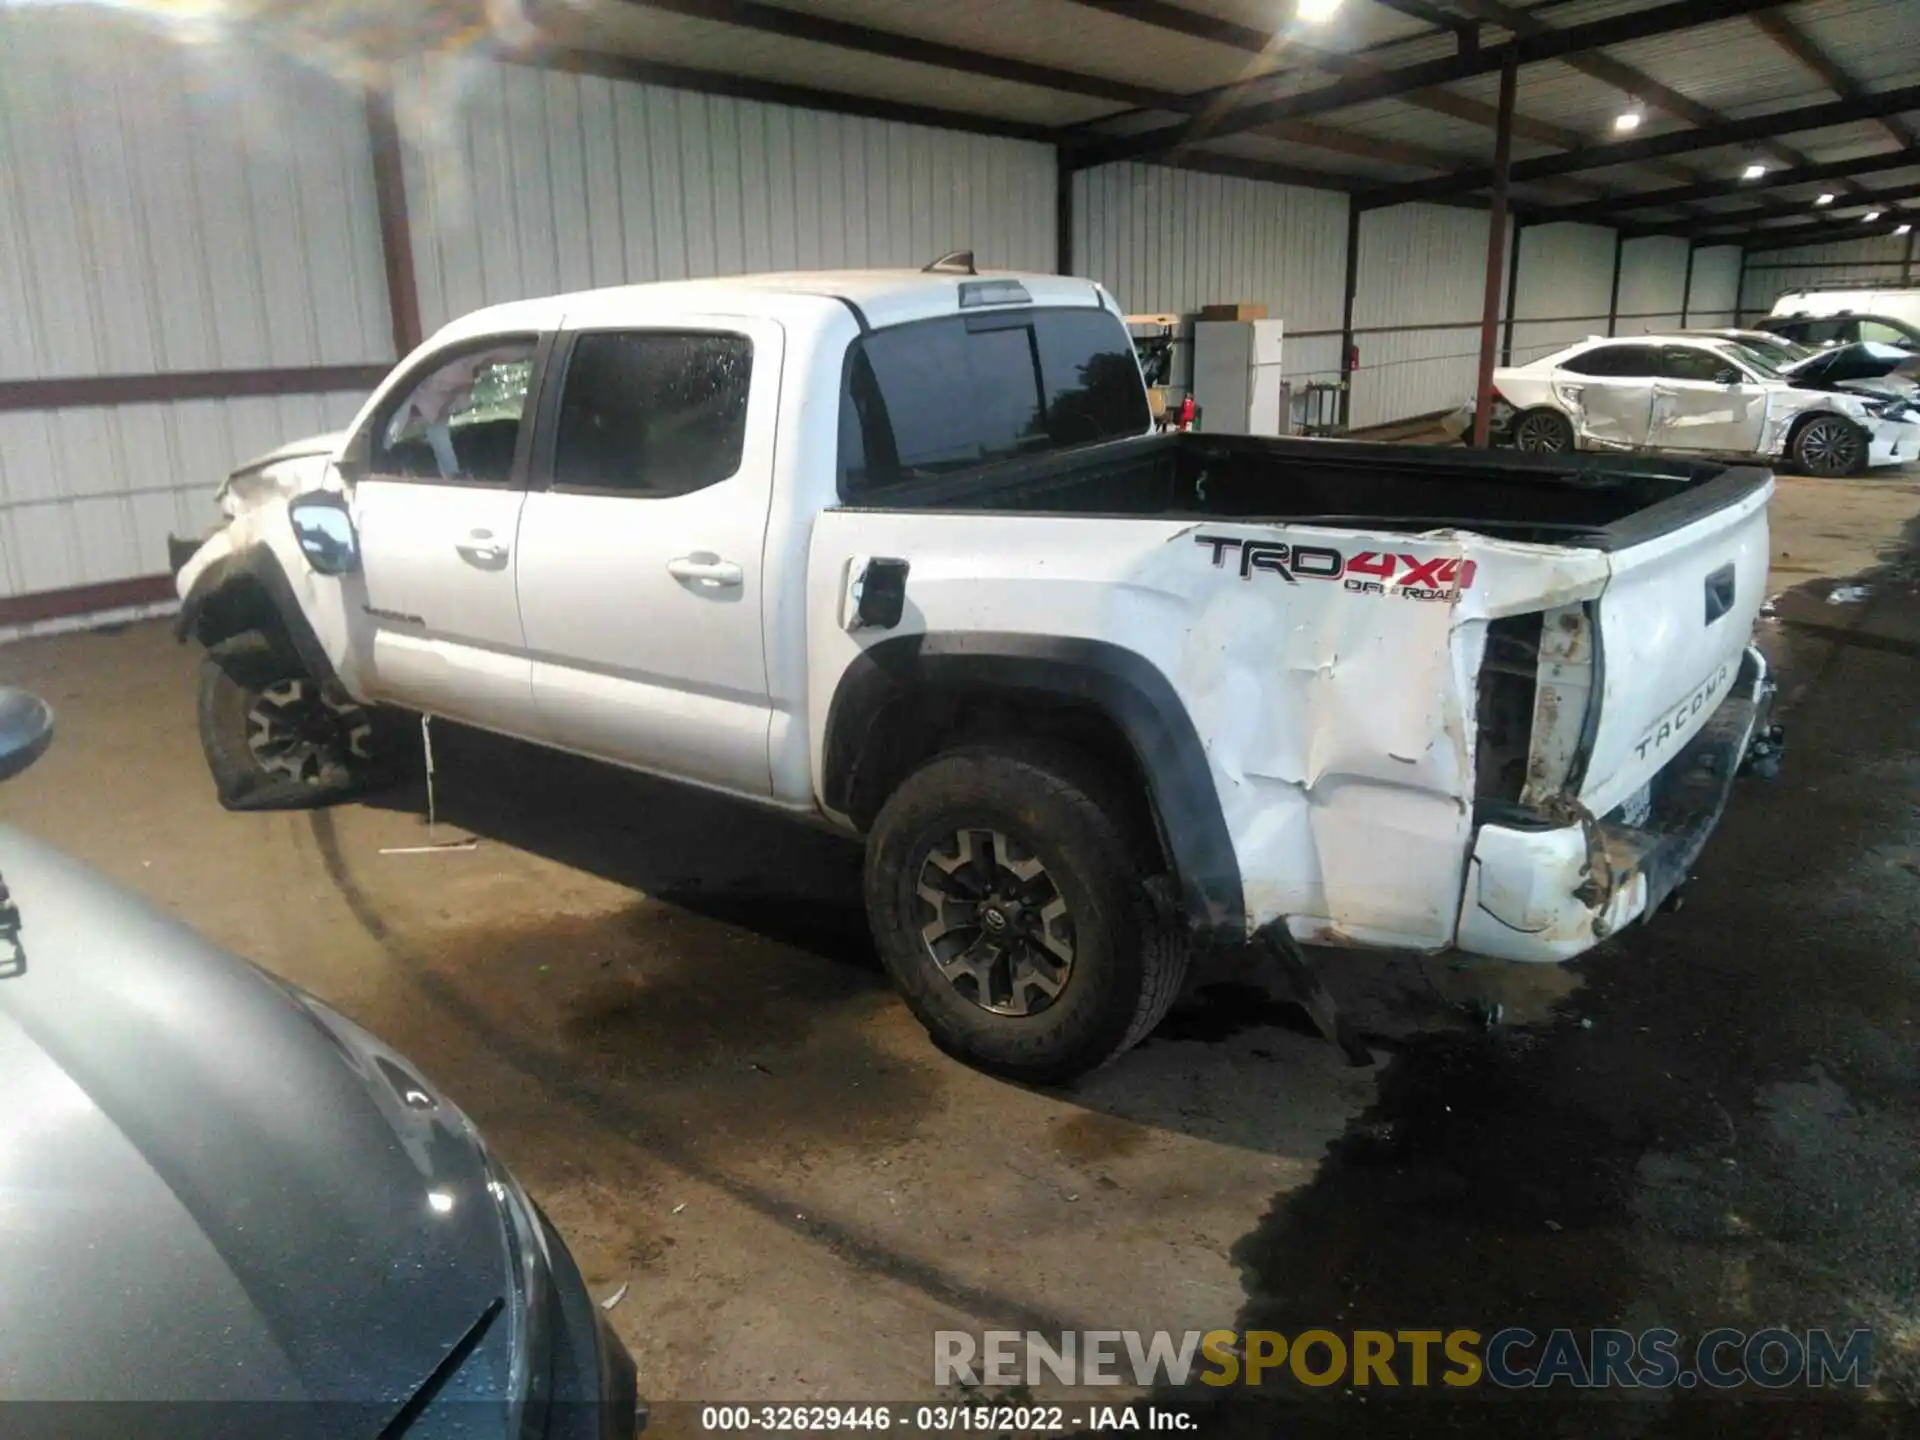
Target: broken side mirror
{"x": 26, "y": 729}
{"x": 324, "y": 527}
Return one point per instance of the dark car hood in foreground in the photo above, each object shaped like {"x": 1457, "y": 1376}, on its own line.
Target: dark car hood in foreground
{"x": 212, "y": 1189}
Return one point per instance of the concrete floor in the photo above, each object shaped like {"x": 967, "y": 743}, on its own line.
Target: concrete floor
{"x": 664, "y": 1011}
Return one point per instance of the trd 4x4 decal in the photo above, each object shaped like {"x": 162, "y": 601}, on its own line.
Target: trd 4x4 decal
{"x": 1371, "y": 572}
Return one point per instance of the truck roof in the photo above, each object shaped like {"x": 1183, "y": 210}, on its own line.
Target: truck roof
{"x": 884, "y": 297}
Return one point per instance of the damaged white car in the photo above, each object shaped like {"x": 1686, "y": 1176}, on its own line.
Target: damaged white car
{"x": 1837, "y": 412}
{"x": 900, "y": 554}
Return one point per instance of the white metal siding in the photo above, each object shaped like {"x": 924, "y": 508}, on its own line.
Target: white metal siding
{"x": 1716, "y": 286}
{"x": 164, "y": 208}
{"x": 1170, "y": 241}
{"x": 1565, "y": 280}
{"x": 1416, "y": 314}
{"x": 1653, "y": 278}
{"x": 525, "y": 182}
{"x": 1771, "y": 273}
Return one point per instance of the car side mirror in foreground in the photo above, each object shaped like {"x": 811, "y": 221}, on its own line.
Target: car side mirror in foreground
{"x": 26, "y": 729}
{"x": 324, "y": 528}
{"x": 1727, "y": 377}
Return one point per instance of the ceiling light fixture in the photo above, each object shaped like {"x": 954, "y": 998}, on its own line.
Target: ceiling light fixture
{"x": 1903, "y": 229}
{"x": 1629, "y": 119}
{"x": 1869, "y": 217}
{"x": 1826, "y": 199}
{"x": 1315, "y": 12}
{"x": 1753, "y": 171}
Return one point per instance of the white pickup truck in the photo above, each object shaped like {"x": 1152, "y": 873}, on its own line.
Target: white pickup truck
{"x": 899, "y": 552}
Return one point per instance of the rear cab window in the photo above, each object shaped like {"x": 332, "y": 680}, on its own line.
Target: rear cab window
{"x": 933, "y": 396}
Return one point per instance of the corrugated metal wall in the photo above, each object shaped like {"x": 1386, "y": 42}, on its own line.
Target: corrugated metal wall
{"x": 526, "y": 182}
{"x": 1653, "y": 279}
{"x": 1565, "y": 281}
{"x": 1416, "y": 313}
{"x": 1770, "y": 273}
{"x": 164, "y": 208}
{"x": 1173, "y": 240}
{"x": 1716, "y": 286}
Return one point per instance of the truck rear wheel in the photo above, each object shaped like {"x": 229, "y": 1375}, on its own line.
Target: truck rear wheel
{"x": 1008, "y": 904}
{"x": 276, "y": 738}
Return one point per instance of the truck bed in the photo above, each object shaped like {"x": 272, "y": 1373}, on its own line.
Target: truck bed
{"x": 1595, "y": 501}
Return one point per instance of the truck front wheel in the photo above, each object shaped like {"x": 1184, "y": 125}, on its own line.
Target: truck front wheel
{"x": 276, "y": 738}
{"x": 1008, "y": 904}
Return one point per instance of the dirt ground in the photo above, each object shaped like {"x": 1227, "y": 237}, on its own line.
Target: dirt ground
{"x": 664, "y": 1011}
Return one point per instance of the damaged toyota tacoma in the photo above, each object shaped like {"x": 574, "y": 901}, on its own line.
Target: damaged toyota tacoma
{"x": 900, "y": 553}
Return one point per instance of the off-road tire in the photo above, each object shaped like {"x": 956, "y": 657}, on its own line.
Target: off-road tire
{"x": 1130, "y": 956}
{"x": 235, "y": 674}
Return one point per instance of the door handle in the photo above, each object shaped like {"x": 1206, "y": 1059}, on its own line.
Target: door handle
{"x": 480, "y": 548}
{"x": 714, "y": 572}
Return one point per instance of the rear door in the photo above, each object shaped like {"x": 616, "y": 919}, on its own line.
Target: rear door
{"x": 1677, "y": 615}
{"x": 1703, "y": 401}
{"x": 640, "y": 550}
{"x": 438, "y": 511}
{"x": 1607, "y": 393}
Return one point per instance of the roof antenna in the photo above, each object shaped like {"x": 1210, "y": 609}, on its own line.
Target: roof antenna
{"x": 954, "y": 262}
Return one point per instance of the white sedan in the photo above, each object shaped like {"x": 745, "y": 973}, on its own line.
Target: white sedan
{"x": 1698, "y": 395}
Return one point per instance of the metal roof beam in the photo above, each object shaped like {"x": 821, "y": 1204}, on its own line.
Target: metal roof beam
{"x": 1178, "y": 20}
{"x": 797, "y": 25}
{"x": 1678, "y": 142}
{"x": 1800, "y": 45}
{"x": 1605, "y": 210}
{"x": 1224, "y": 115}
{"x": 1839, "y": 225}
{"x": 1792, "y": 236}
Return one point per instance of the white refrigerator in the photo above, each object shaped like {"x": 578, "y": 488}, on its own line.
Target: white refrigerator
{"x": 1236, "y": 377}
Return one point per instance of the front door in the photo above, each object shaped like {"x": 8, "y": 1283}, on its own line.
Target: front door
{"x": 640, "y": 558}
{"x": 438, "y": 515}
{"x": 1703, "y": 401}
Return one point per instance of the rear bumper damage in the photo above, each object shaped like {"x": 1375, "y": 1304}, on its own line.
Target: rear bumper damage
{"x": 1551, "y": 890}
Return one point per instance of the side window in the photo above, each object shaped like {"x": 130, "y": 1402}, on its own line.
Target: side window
{"x": 1881, "y": 333}
{"x": 1623, "y": 361}
{"x": 937, "y": 395}
{"x": 1821, "y": 332}
{"x": 461, "y": 421}
{"x": 652, "y": 413}
{"x": 1683, "y": 362}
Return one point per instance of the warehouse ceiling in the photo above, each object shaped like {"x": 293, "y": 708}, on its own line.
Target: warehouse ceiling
{"x": 1722, "y": 120}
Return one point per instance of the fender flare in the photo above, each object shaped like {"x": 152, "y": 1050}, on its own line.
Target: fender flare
{"x": 259, "y": 566}
{"x": 1120, "y": 684}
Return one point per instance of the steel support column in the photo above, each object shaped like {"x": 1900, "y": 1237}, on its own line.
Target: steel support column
{"x": 390, "y": 207}
{"x": 1062, "y": 214}
{"x": 1906, "y": 261}
{"x": 1513, "y": 290}
{"x": 1496, "y": 242}
{"x": 1686, "y": 287}
{"x": 1740, "y": 292}
{"x": 1613, "y": 295}
{"x": 1346, "y": 314}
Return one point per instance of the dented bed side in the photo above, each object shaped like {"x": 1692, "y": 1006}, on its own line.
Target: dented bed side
{"x": 1339, "y": 682}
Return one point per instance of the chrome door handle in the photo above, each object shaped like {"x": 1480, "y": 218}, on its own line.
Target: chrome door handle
{"x": 480, "y": 548}
{"x": 714, "y": 572}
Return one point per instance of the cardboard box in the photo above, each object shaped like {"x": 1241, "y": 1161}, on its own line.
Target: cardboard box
{"x": 1244, "y": 310}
